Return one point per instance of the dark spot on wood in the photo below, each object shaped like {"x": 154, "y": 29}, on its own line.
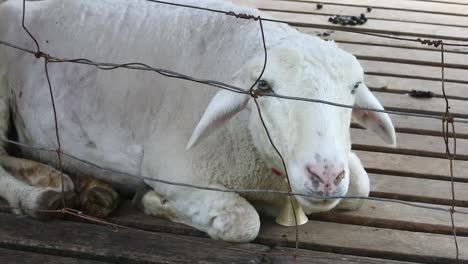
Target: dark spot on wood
{"x": 421, "y": 94}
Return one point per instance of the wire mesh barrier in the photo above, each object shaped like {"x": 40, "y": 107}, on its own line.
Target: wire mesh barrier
{"x": 448, "y": 121}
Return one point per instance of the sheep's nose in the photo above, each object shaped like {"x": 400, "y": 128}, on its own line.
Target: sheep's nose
{"x": 325, "y": 177}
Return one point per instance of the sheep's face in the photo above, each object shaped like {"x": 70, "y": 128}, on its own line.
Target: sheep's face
{"x": 313, "y": 138}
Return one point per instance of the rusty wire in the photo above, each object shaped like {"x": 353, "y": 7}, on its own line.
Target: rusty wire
{"x": 446, "y": 136}
{"x": 446, "y": 119}
{"x": 249, "y": 16}
{"x": 57, "y": 135}
{"x": 217, "y": 84}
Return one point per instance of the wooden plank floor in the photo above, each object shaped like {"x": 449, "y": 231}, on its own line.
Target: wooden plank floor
{"x": 415, "y": 171}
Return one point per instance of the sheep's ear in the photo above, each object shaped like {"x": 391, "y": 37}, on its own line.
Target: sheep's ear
{"x": 378, "y": 122}
{"x": 223, "y": 106}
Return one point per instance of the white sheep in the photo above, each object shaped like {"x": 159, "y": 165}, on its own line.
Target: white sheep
{"x": 142, "y": 123}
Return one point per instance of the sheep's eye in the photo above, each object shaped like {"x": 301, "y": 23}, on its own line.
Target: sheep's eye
{"x": 353, "y": 91}
{"x": 263, "y": 86}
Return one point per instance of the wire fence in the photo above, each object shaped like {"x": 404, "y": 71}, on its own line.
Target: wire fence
{"x": 447, "y": 119}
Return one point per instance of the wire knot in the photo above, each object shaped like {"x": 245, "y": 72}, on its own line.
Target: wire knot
{"x": 242, "y": 15}
{"x": 435, "y": 43}
{"x": 255, "y": 93}
{"x": 448, "y": 118}
{"x": 39, "y": 54}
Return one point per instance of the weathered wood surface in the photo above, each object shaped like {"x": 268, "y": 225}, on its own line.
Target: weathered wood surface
{"x": 399, "y": 216}
{"x": 376, "y": 13}
{"x": 425, "y": 126}
{"x": 419, "y": 190}
{"x": 449, "y": 33}
{"x": 9, "y": 256}
{"x": 414, "y": 166}
{"x": 414, "y": 171}
{"x": 381, "y": 239}
{"x": 306, "y": 256}
{"x": 89, "y": 243}
{"x": 103, "y": 243}
{"x": 404, "y": 5}
{"x": 369, "y": 241}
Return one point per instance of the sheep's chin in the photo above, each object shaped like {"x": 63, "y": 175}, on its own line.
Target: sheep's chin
{"x": 310, "y": 205}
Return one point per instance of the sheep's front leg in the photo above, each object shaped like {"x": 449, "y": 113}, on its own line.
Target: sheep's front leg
{"x": 31, "y": 187}
{"x": 224, "y": 216}
{"x": 34, "y": 186}
{"x": 359, "y": 185}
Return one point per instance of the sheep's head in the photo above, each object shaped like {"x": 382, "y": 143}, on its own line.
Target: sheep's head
{"x": 313, "y": 138}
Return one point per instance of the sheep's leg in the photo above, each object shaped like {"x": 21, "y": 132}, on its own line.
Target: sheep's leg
{"x": 224, "y": 216}
{"x": 30, "y": 187}
{"x": 96, "y": 198}
{"x": 35, "y": 186}
{"x": 359, "y": 185}
{"x": 26, "y": 184}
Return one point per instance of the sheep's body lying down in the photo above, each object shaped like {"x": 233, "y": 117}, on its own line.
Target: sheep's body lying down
{"x": 140, "y": 122}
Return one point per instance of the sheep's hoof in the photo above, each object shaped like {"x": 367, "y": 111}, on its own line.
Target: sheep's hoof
{"x": 98, "y": 200}
{"x": 50, "y": 200}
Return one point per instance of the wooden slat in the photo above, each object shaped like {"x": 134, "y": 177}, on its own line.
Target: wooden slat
{"x": 418, "y": 190}
{"x": 420, "y": 145}
{"x": 398, "y": 216}
{"x": 307, "y": 256}
{"x": 397, "y": 164}
{"x": 8, "y": 256}
{"x": 405, "y": 85}
{"x": 461, "y": 2}
{"x": 356, "y": 37}
{"x": 378, "y": 26}
{"x": 431, "y": 106}
{"x": 138, "y": 247}
{"x": 414, "y": 71}
{"x": 102, "y": 243}
{"x": 370, "y": 241}
{"x": 337, "y": 238}
{"x": 424, "y": 126}
{"x": 417, "y": 6}
{"x": 381, "y": 14}
{"x": 423, "y": 56}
